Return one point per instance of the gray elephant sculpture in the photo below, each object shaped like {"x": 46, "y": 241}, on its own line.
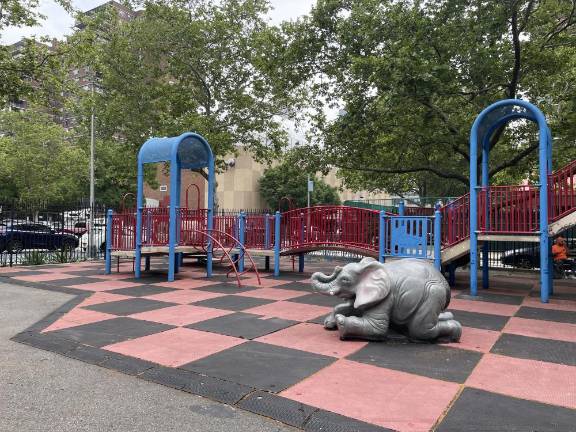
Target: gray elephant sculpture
{"x": 409, "y": 294}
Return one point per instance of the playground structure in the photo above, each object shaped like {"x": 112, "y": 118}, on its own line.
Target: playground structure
{"x": 528, "y": 213}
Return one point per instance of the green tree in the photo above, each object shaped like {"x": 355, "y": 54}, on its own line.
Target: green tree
{"x": 287, "y": 180}
{"x": 411, "y": 76}
{"x": 38, "y": 160}
{"x": 181, "y": 66}
{"x": 27, "y": 67}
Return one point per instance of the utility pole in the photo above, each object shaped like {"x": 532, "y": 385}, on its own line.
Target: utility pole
{"x": 91, "y": 246}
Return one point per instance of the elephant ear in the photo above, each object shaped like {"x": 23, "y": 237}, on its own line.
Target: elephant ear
{"x": 373, "y": 286}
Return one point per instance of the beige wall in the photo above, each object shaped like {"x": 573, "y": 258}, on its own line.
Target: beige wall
{"x": 238, "y": 186}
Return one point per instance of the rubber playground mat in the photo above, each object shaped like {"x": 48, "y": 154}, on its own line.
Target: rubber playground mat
{"x": 262, "y": 348}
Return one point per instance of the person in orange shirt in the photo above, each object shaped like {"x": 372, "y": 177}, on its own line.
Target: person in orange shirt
{"x": 560, "y": 256}
{"x": 560, "y": 250}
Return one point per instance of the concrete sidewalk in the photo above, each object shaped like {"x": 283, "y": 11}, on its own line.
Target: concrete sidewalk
{"x": 43, "y": 391}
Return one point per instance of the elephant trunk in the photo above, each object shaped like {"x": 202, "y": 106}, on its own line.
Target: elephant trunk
{"x": 324, "y": 284}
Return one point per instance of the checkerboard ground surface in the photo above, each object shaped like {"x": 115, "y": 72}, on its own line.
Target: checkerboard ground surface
{"x": 263, "y": 348}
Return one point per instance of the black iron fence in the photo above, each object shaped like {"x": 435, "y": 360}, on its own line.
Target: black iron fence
{"x": 33, "y": 233}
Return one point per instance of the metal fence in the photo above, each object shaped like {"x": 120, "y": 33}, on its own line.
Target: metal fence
{"x": 34, "y": 233}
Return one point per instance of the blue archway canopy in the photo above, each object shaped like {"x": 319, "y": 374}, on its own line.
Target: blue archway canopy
{"x": 501, "y": 113}
{"x": 192, "y": 150}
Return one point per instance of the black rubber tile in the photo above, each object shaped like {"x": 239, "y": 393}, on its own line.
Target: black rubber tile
{"x": 319, "y": 320}
{"x": 85, "y": 272}
{"x": 242, "y": 325}
{"x": 480, "y": 320}
{"x": 325, "y": 421}
{"x": 547, "y": 350}
{"x": 90, "y": 354}
{"x": 260, "y": 365}
{"x": 129, "y": 306}
{"x": 318, "y": 300}
{"x": 47, "y": 341}
{"x": 23, "y": 273}
{"x": 547, "y": 314}
{"x": 296, "y": 286}
{"x": 291, "y": 276}
{"x": 277, "y": 407}
{"x": 110, "y": 331}
{"x": 478, "y": 410}
{"x": 493, "y": 298}
{"x": 227, "y": 288}
{"x": 141, "y": 291}
{"x": 233, "y": 302}
{"x": 126, "y": 364}
{"x": 430, "y": 360}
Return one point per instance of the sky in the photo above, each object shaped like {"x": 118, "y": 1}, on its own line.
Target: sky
{"x": 58, "y": 22}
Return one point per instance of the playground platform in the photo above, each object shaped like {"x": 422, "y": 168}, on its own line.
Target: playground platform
{"x": 262, "y": 348}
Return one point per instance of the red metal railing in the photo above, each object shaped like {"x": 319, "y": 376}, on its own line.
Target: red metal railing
{"x": 255, "y": 234}
{"x": 456, "y": 221}
{"x": 155, "y": 226}
{"x": 508, "y": 209}
{"x": 192, "y": 223}
{"x": 562, "y": 192}
{"x": 418, "y": 211}
{"x": 330, "y": 226}
{"x": 124, "y": 231}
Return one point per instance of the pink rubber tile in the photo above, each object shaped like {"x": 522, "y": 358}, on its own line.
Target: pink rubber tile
{"x": 566, "y": 305}
{"x": 541, "y": 329}
{"x": 290, "y": 311}
{"x": 526, "y": 379}
{"x": 264, "y": 282}
{"x": 273, "y": 294}
{"x": 102, "y": 297}
{"x": 187, "y": 283}
{"x": 113, "y": 276}
{"x": 476, "y": 340}
{"x": 47, "y": 277}
{"x": 483, "y": 307}
{"x": 104, "y": 285}
{"x": 175, "y": 347}
{"x": 313, "y": 338}
{"x": 184, "y": 296}
{"x": 392, "y": 399}
{"x": 181, "y": 315}
{"x": 77, "y": 317}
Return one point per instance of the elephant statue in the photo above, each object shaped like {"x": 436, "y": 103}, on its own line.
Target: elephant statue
{"x": 408, "y": 294}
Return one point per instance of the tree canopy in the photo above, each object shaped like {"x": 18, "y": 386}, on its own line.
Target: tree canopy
{"x": 39, "y": 160}
{"x": 409, "y": 77}
{"x": 288, "y": 181}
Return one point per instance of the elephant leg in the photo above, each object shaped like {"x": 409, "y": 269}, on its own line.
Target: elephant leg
{"x": 361, "y": 327}
{"x": 340, "y": 309}
{"x": 445, "y": 316}
{"x": 427, "y": 326}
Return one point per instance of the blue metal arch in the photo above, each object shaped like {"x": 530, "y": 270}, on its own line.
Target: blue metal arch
{"x": 487, "y": 122}
{"x": 187, "y": 151}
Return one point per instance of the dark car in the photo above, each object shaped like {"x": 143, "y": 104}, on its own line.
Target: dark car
{"x": 15, "y": 238}
{"x": 529, "y": 257}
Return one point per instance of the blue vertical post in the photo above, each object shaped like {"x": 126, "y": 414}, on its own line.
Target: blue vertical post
{"x": 382, "y": 236}
{"x": 437, "y": 239}
{"x": 550, "y": 260}
{"x": 485, "y": 184}
{"x": 109, "y": 242}
{"x": 401, "y": 208}
{"x": 474, "y": 207}
{"x": 139, "y": 209}
{"x": 277, "y": 220}
{"x": 179, "y": 256}
{"x": 172, "y": 234}
{"x": 241, "y": 239}
{"x": 544, "y": 162}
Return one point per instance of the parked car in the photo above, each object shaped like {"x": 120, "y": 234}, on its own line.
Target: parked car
{"x": 529, "y": 257}
{"x": 99, "y": 236}
{"x": 17, "y": 237}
